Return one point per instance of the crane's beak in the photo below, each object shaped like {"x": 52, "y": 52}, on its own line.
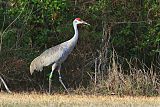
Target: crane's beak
{"x": 83, "y": 22}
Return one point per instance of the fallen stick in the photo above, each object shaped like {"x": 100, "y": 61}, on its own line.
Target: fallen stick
{"x": 5, "y": 85}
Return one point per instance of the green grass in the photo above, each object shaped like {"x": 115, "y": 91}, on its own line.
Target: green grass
{"x": 61, "y": 100}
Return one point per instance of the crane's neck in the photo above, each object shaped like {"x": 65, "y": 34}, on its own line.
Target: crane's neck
{"x": 72, "y": 42}
{"x": 75, "y": 37}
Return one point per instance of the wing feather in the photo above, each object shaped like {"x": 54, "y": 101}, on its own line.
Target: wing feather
{"x": 56, "y": 54}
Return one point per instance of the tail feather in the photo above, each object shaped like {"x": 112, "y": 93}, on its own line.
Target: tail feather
{"x": 31, "y": 69}
{"x": 35, "y": 65}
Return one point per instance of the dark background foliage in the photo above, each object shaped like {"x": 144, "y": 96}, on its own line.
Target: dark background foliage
{"x": 128, "y": 29}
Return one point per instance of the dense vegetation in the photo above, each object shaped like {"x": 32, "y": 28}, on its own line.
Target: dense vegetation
{"x": 118, "y": 54}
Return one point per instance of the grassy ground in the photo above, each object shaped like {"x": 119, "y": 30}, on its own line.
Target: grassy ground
{"x": 60, "y": 100}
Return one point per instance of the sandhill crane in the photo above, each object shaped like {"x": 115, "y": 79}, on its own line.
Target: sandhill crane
{"x": 56, "y": 55}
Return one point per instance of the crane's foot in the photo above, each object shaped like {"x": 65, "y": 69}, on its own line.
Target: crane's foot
{"x": 60, "y": 80}
{"x": 50, "y": 82}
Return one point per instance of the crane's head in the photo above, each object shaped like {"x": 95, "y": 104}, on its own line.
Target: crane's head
{"x": 79, "y": 21}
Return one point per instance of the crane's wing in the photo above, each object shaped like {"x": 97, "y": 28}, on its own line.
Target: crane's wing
{"x": 50, "y": 56}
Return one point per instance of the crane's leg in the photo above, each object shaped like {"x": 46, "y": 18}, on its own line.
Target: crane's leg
{"x": 60, "y": 78}
{"x": 50, "y": 77}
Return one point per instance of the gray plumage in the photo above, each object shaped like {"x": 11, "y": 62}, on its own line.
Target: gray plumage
{"x": 56, "y": 55}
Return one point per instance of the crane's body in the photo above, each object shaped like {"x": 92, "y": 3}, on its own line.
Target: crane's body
{"x": 57, "y": 54}
{"x": 52, "y": 55}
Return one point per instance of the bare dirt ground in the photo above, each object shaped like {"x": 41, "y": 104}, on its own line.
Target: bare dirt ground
{"x": 61, "y": 100}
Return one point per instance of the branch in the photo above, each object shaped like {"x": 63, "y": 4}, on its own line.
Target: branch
{"x": 5, "y": 85}
{"x": 129, "y": 22}
{"x": 8, "y": 27}
{"x": 134, "y": 22}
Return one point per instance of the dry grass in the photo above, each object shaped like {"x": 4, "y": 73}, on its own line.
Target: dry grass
{"x": 60, "y": 100}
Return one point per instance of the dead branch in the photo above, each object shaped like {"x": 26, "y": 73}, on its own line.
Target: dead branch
{"x": 5, "y": 85}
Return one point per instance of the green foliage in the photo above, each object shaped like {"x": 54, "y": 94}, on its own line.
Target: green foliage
{"x": 35, "y": 25}
{"x": 42, "y": 15}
